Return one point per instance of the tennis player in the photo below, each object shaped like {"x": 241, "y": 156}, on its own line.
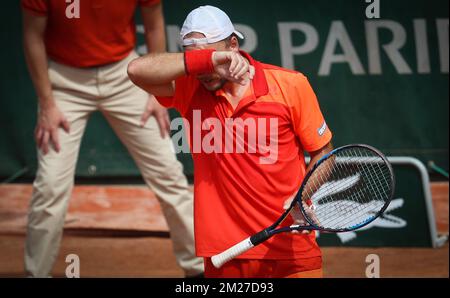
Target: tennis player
{"x": 238, "y": 192}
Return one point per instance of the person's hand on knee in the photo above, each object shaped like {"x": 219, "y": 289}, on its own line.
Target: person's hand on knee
{"x": 50, "y": 119}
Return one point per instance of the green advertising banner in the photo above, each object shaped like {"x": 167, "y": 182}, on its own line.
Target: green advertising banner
{"x": 380, "y": 71}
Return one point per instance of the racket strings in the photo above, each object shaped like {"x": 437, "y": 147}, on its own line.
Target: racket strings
{"x": 365, "y": 209}
{"x": 372, "y": 176}
{"x": 349, "y": 189}
{"x": 321, "y": 180}
{"x": 342, "y": 186}
{"x": 340, "y": 217}
{"x": 330, "y": 188}
{"x": 388, "y": 183}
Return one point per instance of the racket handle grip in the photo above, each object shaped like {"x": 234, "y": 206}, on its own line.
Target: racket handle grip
{"x": 231, "y": 253}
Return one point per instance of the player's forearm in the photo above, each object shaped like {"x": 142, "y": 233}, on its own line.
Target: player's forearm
{"x": 319, "y": 175}
{"x": 156, "y": 72}
{"x": 36, "y": 58}
{"x": 156, "y": 69}
{"x": 315, "y": 156}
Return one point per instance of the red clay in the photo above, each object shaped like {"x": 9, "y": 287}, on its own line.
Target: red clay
{"x": 135, "y": 208}
{"x": 99, "y": 207}
{"x": 131, "y": 208}
{"x": 439, "y": 192}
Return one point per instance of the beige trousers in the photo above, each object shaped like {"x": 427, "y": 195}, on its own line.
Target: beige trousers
{"x": 78, "y": 93}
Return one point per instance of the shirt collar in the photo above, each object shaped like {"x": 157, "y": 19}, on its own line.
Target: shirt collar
{"x": 258, "y": 86}
{"x": 259, "y": 79}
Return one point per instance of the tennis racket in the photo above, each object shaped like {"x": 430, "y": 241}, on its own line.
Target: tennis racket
{"x": 345, "y": 190}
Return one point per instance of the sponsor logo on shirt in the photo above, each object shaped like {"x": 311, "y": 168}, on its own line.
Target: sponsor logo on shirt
{"x": 322, "y": 129}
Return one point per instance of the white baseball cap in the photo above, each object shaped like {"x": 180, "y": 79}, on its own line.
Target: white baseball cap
{"x": 210, "y": 21}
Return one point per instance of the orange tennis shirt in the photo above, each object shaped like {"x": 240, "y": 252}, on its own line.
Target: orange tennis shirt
{"x": 241, "y": 191}
{"x": 104, "y": 33}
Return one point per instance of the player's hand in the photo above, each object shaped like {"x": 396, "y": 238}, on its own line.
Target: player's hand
{"x": 231, "y": 65}
{"x": 46, "y": 133}
{"x": 297, "y": 214}
{"x": 153, "y": 108}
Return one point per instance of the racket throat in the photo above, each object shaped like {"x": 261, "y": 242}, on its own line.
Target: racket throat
{"x": 260, "y": 237}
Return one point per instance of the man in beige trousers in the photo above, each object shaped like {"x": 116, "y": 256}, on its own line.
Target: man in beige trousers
{"x": 77, "y": 54}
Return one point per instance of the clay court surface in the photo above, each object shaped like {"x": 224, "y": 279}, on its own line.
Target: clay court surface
{"x": 118, "y": 231}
